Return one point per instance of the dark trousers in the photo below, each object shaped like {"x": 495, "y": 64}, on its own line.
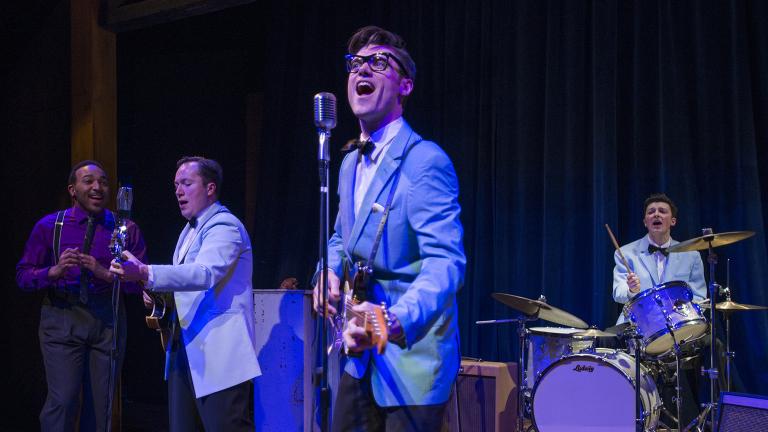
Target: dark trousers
{"x": 225, "y": 410}
{"x": 76, "y": 342}
{"x": 356, "y": 410}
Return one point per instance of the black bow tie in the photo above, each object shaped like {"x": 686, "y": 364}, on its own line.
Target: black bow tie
{"x": 652, "y": 249}
{"x": 366, "y": 147}
{"x": 193, "y": 222}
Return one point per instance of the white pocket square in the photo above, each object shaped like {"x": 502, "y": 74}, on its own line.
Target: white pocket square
{"x": 376, "y": 208}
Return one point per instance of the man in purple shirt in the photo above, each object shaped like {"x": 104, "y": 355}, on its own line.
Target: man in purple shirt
{"x": 67, "y": 254}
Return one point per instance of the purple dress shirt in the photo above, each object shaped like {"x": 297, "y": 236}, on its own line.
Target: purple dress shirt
{"x": 32, "y": 269}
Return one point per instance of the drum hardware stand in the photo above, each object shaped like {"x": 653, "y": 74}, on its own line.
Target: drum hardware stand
{"x": 678, "y": 388}
{"x": 640, "y": 414}
{"x": 701, "y": 419}
{"x": 712, "y": 372}
{"x": 728, "y": 353}
{"x": 522, "y": 334}
{"x": 670, "y": 415}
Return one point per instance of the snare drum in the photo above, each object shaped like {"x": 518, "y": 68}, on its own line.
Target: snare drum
{"x": 594, "y": 392}
{"x": 546, "y": 345}
{"x": 670, "y": 302}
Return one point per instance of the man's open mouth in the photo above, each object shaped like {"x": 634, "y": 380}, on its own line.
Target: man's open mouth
{"x": 364, "y": 88}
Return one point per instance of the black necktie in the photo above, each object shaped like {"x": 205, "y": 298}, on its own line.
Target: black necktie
{"x": 85, "y": 274}
{"x": 652, "y": 249}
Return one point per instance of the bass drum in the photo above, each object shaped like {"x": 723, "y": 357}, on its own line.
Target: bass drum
{"x": 593, "y": 392}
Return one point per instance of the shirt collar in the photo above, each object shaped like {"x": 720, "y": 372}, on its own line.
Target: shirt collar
{"x": 665, "y": 245}
{"x": 204, "y": 213}
{"x": 382, "y": 137}
{"x": 81, "y": 216}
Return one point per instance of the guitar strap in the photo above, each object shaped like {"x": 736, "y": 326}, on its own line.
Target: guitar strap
{"x": 368, "y": 268}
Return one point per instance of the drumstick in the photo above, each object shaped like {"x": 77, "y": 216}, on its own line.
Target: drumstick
{"x": 618, "y": 249}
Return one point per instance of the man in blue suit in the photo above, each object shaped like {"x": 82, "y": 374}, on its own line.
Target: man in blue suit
{"x": 419, "y": 263}
{"x": 650, "y": 263}
{"x": 211, "y": 361}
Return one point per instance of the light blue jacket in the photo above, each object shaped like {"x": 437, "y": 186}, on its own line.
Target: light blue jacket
{"x": 418, "y": 269}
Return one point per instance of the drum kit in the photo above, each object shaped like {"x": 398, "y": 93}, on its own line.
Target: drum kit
{"x": 568, "y": 383}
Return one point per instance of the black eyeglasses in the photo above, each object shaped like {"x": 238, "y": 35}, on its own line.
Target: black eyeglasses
{"x": 377, "y": 62}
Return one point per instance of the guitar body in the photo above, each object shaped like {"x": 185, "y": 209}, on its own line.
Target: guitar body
{"x": 374, "y": 321}
{"x": 159, "y": 318}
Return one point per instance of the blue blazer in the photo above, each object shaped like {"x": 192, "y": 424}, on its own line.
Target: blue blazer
{"x": 417, "y": 271}
{"x": 212, "y": 287}
{"x": 681, "y": 266}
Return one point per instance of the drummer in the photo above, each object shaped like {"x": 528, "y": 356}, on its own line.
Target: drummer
{"x": 650, "y": 263}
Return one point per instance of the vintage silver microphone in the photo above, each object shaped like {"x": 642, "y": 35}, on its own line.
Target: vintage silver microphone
{"x": 325, "y": 120}
{"x": 124, "y": 203}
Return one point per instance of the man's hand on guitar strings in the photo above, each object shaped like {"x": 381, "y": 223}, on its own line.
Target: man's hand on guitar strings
{"x": 333, "y": 294}
{"x": 356, "y": 339}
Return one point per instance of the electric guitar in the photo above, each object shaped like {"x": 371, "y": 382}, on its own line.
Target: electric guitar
{"x": 375, "y": 322}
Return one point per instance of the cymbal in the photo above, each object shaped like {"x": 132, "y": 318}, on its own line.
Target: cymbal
{"x": 702, "y": 243}
{"x": 539, "y": 309}
{"x": 618, "y": 329}
{"x": 594, "y": 332}
{"x": 730, "y": 306}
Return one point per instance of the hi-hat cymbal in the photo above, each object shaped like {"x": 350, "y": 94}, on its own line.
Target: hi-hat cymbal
{"x": 730, "y": 306}
{"x": 539, "y": 309}
{"x": 703, "y": 242}
{"x": 594, "y": 332}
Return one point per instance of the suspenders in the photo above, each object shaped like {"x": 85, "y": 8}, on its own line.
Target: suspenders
{"x": 57, "y": 235}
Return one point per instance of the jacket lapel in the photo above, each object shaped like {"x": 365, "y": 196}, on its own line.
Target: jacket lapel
{"x": 648, "y": 261}
{"x": 179, "y": 242}
{"x": 207, "y": 215}
{"x": 390, "y": 162}
{"x": 347, "y": 195}
{"x": 673, "y": 259}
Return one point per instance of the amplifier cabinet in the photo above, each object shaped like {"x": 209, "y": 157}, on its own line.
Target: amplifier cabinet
{"x": 484, "y": 398}
{"x": 739, "y": 412}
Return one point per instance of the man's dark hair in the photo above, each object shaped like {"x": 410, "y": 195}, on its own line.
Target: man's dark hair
{"x": 209, "y": 170}
{"x": 372, "y": 35}
{"x": 660, "y": 197}
{"x": 73, "y": 172}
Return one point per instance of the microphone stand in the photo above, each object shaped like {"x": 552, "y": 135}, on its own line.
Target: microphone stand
{"x": 113, "y": 353}
{"x": 323, "y": 157}
{"x": 117, "y": 245}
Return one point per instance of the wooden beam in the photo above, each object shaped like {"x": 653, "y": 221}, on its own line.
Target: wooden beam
{"x": 123, "y": 15}
{"x": 94, "y": 88}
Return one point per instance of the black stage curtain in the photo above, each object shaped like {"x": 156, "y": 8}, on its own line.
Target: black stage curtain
{"x": 560, "y": 117}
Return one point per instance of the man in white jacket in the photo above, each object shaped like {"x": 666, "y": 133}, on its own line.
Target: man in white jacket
{"x": 211, "y": 361}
